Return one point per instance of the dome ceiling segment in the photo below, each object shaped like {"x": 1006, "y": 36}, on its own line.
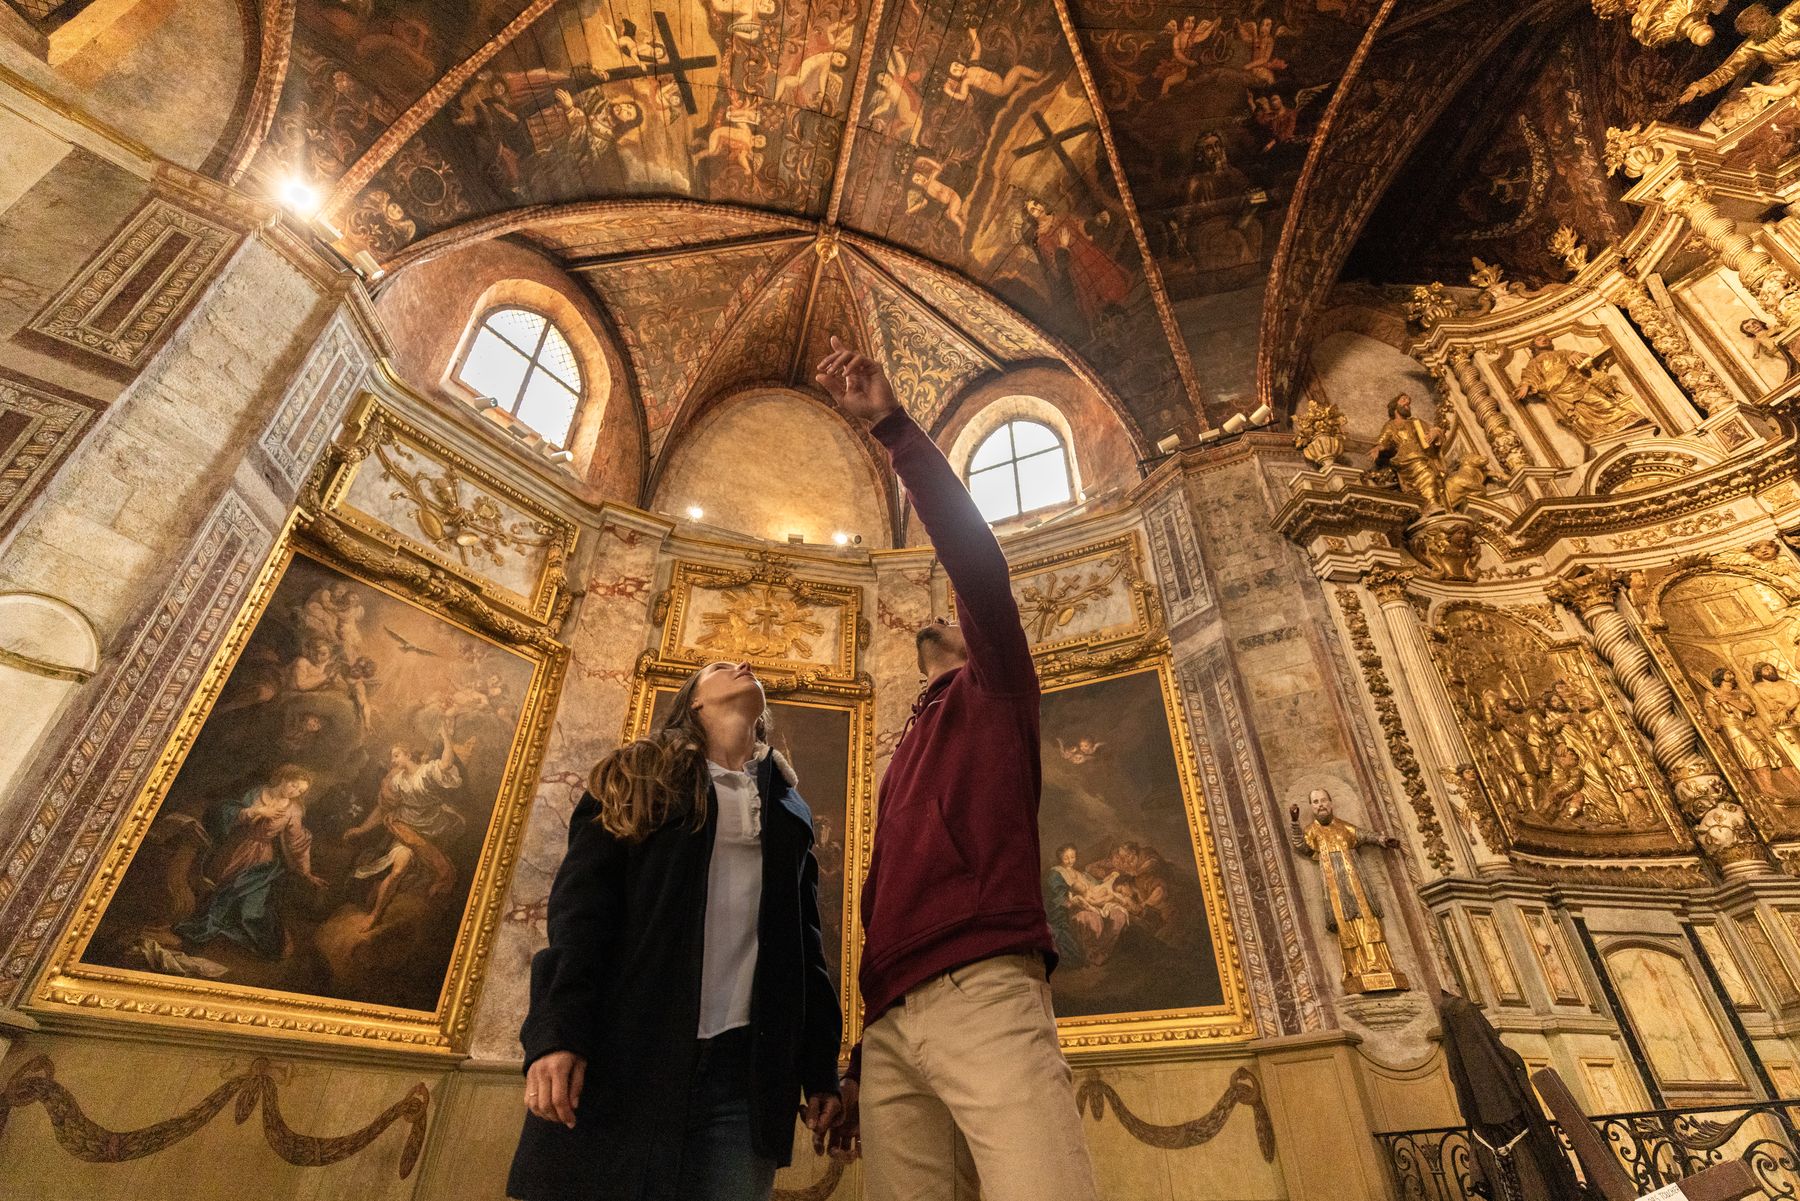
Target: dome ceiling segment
{"x": 973, "y": 147}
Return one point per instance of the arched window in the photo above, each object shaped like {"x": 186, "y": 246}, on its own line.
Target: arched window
{"x": 524, "y": 362}
{"x": 1020, "y": 467}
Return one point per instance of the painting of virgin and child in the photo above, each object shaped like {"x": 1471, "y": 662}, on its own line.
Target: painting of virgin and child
{"x": 322, "y": 834}
{"x": 1122, "y": 885}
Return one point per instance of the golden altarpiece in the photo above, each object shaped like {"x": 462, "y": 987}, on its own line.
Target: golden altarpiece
{"x": 1575, "y": 600}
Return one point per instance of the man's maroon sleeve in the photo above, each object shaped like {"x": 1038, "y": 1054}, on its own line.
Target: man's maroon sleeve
{"x": 999, "y": 656}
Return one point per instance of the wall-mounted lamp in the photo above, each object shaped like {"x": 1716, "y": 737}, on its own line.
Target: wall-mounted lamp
{"x": 841, "y": 538}
{"x": 1169, "y": 445}
{"x": 695, "y": 512}
{"x": 298, "y": 197}
{"x": 796, "y": 539}
{"x": 1235, "y": 424}
{"x": 1262, "y": 416}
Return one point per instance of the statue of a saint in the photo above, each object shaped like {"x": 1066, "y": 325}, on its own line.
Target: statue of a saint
{"x": 1587, "y": 401}
{"x": 1414, "y": 451}
{"x": 1350, "y": 912}
{"x": 1770, "y": 40}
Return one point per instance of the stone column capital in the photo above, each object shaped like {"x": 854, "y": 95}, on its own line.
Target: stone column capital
{"x": 1388, "y": 584}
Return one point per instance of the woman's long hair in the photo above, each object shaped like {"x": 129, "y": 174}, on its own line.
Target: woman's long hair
{"x": 661, "y": 777}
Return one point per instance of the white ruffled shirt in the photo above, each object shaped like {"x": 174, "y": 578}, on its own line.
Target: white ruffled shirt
{"x": 733, "y": 903}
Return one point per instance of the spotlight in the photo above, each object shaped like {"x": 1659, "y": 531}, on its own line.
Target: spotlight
{"x": 561, "y": 456}
{"x": 796, "y": 539}
{"x": 1235, "y": 423}
{"x": 695, "y": 512}
{"x": 1262, "y": 416}
{"x": 841, "y": 538}
{"x": 1169, "y": 445}
{"x": 1207, "y": 437}
{"x": 298, "y": 197}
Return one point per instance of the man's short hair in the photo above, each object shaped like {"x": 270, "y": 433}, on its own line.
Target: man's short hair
{"x": 928, "y": 633}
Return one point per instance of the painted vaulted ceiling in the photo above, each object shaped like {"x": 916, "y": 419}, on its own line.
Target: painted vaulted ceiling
{"x": 959, "y": 185}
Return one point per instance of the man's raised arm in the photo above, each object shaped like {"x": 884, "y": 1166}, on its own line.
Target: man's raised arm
{"x": 999, "y": 656}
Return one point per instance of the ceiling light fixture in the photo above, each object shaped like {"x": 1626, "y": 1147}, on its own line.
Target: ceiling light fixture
{"x": 298, "y": 197}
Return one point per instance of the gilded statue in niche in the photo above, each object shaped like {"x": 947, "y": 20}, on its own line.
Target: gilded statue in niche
{"x": 1734, "y": 636}
{"x": 1351, "y": 912}
{"x": 1584, "y": 399}
{"x": 1564, "y": 768}
{"x": 1414, "y": 451}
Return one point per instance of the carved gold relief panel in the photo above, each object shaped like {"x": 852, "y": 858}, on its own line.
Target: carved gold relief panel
{"x": 396, "y": 483}
{"x": 765, "y": 613}
{"x": 1727, "y": 631}
{"x": 1563, "y": 766}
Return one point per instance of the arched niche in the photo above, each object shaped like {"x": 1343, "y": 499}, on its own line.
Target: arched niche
{"x": 771, "y": 462}
{"x": 47, "y": 650}
{"x": 1727, "y": 630}
{"x": 1361, "y": 375}
{"x": 432, "y": 309}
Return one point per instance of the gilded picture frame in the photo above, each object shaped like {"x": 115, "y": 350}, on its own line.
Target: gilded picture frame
{"x": 1162, "y": 1030}
{"x": 74, "y": 986}
{"x": 447, "y": 509}
{"x": 763, "y": 612}
{"x": 853, "y": 755}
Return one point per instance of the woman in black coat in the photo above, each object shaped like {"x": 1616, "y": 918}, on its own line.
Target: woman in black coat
{"x": 683, "y": 1005}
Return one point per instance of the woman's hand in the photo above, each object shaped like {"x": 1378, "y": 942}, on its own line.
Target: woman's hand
{"x": 553, "y": 1086}
{"x": 823, "y": 1113}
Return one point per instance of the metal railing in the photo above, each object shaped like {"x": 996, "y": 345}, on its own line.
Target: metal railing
{"x": 1656, "y": 1147}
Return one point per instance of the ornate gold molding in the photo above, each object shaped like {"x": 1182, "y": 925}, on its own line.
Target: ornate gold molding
{"x": 769, "y": 616}
{"x": 1400, "y": 750}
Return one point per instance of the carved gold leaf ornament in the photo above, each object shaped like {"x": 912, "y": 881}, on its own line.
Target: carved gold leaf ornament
{"x": 1060, "y": 599}
{"x": 761, "y": 621}
{"x": 1400, "y": 751}
{"x": 465, "y": 527}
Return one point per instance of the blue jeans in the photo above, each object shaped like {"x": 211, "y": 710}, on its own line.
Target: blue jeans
{"x": 718, "y": 1162}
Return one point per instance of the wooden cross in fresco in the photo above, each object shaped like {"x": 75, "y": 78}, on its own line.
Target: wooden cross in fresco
{"x": 677, "y": 65}
{"x": 1052, "y": 140}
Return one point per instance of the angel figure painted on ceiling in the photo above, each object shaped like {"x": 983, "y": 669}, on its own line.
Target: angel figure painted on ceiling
{"x": 927, "y": 186}
{"x": 1185, "y": 42}
{"x": 898, "y": 107}
{"x": 736, "y": 141}
{"x": 818, "y": 79}
{"x": 972, "y": 76}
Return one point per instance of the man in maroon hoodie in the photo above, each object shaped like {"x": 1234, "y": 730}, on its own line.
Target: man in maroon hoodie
{"x": 958, "y": 1073}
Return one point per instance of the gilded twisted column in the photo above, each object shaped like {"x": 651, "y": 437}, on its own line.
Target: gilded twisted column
{"x": 1696, "y": 376}
{"x": 1674, "y": 741}
{"x": 1775, "y": 289}
{"x": 1500, "y": 435}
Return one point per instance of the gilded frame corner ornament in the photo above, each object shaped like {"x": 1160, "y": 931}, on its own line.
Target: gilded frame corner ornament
{"x": 1104, "y": 564}
{"x": 654, "y": 676}
{"x": 70, "y": 987}
{"x": 375, "y": 434}
{"x": 1160, "y": 1033}
{"x": 770, "y": 610}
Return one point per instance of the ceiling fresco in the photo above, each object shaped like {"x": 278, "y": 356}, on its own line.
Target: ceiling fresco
{"x": 972, "y": 183}
{"x": 1521, "y": 153}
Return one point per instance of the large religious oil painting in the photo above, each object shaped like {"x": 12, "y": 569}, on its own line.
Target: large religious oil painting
{"x": 327, "y": 835}
{"x": 1130, "y": 887}
{"x": 826, "y": 740}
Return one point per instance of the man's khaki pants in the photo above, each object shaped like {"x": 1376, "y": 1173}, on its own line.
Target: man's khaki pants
{"x": 964, "y": 1078}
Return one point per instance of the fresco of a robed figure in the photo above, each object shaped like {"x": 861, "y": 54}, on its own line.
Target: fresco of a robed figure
{"x": 322, "y": 833}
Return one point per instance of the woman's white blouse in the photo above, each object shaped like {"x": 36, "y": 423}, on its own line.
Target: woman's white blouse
{"x": 733, "y": 902}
